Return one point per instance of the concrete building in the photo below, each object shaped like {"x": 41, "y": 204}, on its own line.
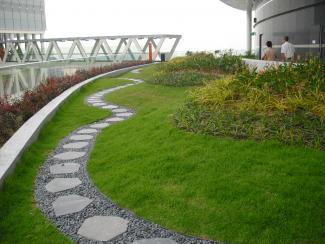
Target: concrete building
{"x": 270, "y": 20}
{"x": 22, "y": 19}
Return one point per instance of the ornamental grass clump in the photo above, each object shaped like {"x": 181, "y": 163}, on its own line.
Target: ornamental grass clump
{"x": 285, "y": 103}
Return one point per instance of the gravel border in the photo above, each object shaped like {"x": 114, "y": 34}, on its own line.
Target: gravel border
{"x": 69, "y": 224}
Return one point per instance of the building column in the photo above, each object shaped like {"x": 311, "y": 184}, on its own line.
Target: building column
{"x": 249, "y": 30}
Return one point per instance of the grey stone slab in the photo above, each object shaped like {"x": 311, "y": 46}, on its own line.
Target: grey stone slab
{"x": 94, "y": 101}
{"x": 99, "y": 125}
{"x": 62, "y": 184}
{"x": 81, "y": 137}
{"x": 103, "y": 228}
{"x": 76, "y": 145}
{"x": 94, "y": 98}
{"x": 114, "y": 119}
{"x": 119, "y": 110}
{"x": 124, "y": 114}
{"x": 99, "y": 104}
{"x": 65, "y": 168}
{"x": 70, "y": 204}
{"x": 110, "y": 107}
{"x": 155, "y": 241}
{"x": 69, "y": 155}
{"x": 87, "y": 131}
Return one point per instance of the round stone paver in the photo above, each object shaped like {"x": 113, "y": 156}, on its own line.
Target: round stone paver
{"x": 76, "y": 145}
{"x": 99, "y": 125}
{"x": 103, "y": 228}
{"x": 87, "y": 131}
{"x": 70, "y": 204}
{"x": 114, "y": 119}
{"x": 69, "y": 155}
{"x": 155, "y": 241}
{"x": 119, "y": 110}
{"x": 62, "y": 184}
{"x": 65, "y": 168}
{"x": 81, "y": 137}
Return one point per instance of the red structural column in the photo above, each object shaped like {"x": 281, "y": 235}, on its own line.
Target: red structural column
{"x": 150, "y": 52}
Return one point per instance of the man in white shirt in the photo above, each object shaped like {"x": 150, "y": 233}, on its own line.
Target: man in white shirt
{"x": 287, "y": 50}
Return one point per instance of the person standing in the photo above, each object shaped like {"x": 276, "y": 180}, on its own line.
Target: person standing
{"x": 287, "y": 50}
{"x": 269, "y": 53}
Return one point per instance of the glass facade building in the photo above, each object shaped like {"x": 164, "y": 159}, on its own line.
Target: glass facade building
{"x": 22, "y": 19}
{"x": 302, "y": 21}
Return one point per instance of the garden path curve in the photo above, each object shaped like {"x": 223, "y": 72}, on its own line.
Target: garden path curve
{"x": 67, "y": 198}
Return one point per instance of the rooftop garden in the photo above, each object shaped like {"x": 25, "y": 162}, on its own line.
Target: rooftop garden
{"x": 225, "y": 153}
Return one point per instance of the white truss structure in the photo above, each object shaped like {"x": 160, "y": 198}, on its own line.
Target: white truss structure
{"x": 128, "y": 48}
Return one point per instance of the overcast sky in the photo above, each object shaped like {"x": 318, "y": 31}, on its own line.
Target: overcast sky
{"x": 204, "y": 25}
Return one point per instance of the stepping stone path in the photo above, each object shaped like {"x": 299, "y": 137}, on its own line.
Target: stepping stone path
{"x": 66, "y": 196}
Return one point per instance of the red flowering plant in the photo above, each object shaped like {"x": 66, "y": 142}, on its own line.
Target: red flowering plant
{"x": 13, "y": 113}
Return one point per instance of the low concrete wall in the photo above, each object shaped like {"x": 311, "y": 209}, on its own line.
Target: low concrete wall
{"x": 11, "y": 151}
{"x": 260, "y": 64}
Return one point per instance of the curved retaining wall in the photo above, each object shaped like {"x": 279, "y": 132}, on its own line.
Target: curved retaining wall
{"x": 11, "y": 151}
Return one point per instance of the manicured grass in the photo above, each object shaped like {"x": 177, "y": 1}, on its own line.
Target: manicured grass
{"x": 221, "y": 189}
{"x": 20, "y": 219}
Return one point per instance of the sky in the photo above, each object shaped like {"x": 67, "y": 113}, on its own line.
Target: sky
{"x": 204, "y": 25}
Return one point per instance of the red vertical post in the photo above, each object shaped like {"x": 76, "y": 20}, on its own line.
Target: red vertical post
{"x": 150, "y": 52}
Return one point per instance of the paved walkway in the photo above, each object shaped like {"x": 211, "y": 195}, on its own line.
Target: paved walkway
{"x": 66, "y": 196}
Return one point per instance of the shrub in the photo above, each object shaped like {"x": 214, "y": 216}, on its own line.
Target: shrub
{"x": 196, "y": 68}
{"x": 286, "y": 104}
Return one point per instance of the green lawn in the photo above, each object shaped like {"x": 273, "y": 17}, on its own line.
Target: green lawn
{"x": 220, "y": 189}
{"x": 20, "y": 220}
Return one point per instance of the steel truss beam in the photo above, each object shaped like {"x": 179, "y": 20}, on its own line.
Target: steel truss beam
{"x": 128, "y": 48}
